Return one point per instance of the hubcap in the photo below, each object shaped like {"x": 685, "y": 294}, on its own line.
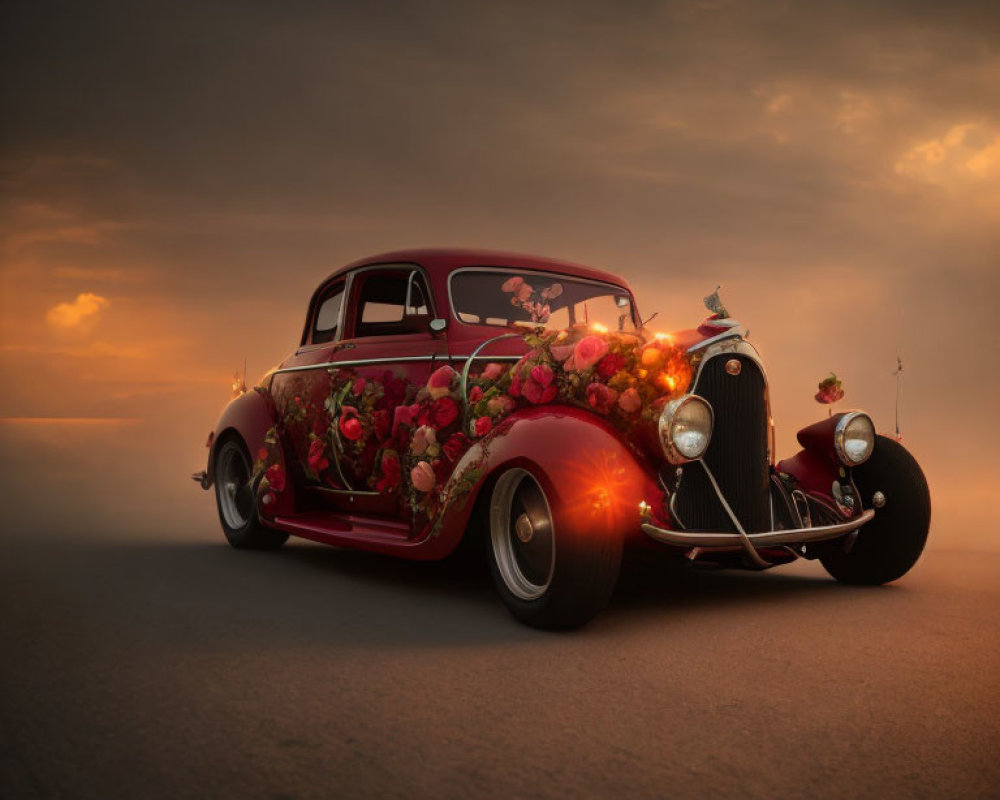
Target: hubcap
{"x": 522, "y": 534}
{"x": 233, "y": 479}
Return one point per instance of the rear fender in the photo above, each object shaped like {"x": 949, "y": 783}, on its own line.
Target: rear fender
{"x": 593, "y": 481}
{"x": 250, "y": 416}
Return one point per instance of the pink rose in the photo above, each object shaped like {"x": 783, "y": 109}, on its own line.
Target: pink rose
{"x": 402, "y": 416}
{"x": 499, "y": 405}
{"x": 476, "y": 394}
{"x": 439, "y": 383}
{"x": 542, "y": 375}
{"x": 830, "y": 390}
{"x": 492, "y": 371}
{"x": 359, "y": 386}
{"x": 276, "y": 477}
{"x": 512, "y": 284}
{"x": 588, "y": 351}
{"x": 601, "y": 397}
{"x": 561, "y": 352}
{"x": 483, "y": 426}
{"x": 524, "y": 292}
{"x": 422, "y": 477}
{"x": 629, "y": 401}
{"x": 423, "y": 438}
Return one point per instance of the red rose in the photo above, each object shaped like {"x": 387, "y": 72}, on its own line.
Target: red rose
{"x": 276, "y": 477}
{"x": 542, "y": 375}
{"x": 350, "y": 427}
{"x": 534, "y": 393}
{"x": 601, "y": 397}
{"x": 476, "y": 394}
{"x": 391, "y": 472}
{"x": 483, "y": 426}
{"x": 610, "y": 364}
{"x": 455, "y": 446}
{"x": 317, "y": 458}
{"x": 444, "y": 412}
{"x": 515, "y": 386}
{"x": 262, "y": 454}
{"x": 402, "y": 417}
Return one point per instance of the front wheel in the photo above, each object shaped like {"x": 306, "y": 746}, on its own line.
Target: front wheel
{"x": 888, "y": 546}
{"x": 234, "y": 496}
{"x": 549, "y": 575}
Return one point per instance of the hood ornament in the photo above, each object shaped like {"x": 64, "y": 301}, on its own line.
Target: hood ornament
{"x": 714, "y": 304}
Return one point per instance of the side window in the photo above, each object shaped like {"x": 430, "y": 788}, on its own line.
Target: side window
{"x": 328, "y": 315}
{"x": 392, "y": 302}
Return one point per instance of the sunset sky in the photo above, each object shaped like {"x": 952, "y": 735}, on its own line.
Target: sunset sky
{"x": 176, "y": 179}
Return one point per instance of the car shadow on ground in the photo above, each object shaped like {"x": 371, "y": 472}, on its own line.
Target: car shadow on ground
{"x": 309, "y": 593}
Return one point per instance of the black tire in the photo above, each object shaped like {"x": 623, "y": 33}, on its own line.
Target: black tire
{"x": 235, "y": 500}
{"x": 888, "y": 546}
{"x": 555, "y": 578}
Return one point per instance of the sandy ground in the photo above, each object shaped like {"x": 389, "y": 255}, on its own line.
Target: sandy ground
{"x": 181, "y": 668}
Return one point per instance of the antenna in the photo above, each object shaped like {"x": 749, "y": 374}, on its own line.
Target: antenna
{"x": 898, "y": 373}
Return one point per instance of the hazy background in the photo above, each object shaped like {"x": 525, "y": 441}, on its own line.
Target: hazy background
{"x": 176, "y": 179}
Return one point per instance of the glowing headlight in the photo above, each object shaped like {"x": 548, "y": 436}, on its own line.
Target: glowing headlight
{"x": 685, "y": 428}
{"x": 854, "y": 438}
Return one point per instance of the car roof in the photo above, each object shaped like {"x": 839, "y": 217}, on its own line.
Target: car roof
{"x": 440, "y": 262}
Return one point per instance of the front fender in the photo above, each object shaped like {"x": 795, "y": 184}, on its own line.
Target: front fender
{"x": 592, "y": 479}
{"x": 816, "y": 467}
{"x": 249, "y": 416}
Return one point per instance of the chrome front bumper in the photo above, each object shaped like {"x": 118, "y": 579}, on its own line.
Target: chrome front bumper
{"x": 764, "y": 539}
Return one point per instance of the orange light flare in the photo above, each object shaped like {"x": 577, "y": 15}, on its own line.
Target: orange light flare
{"x": 600, "y": 495}
{"x": 598, "y": 327}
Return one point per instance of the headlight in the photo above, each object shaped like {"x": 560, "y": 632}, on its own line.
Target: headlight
{"x": 854, "y": 438}
{"x": 685, "y": 428}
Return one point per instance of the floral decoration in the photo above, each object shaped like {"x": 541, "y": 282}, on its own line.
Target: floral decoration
{"x": 410, "y": 439}
{"x": 535, "y": 302}
{"x": 830, "y": 390}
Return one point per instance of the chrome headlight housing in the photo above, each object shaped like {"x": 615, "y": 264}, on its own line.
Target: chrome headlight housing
{"x": 854, "y": 438}
{"x": 685, "y": 428}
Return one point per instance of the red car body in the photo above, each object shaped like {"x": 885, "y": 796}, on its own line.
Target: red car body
{"x": 606, "y": 485}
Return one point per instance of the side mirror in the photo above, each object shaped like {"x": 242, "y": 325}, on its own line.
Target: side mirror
{"x": 438, "y": 325}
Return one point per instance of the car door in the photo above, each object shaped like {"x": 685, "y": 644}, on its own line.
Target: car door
{"x": 302, "y": 385}
{"x": 386, "y": 355}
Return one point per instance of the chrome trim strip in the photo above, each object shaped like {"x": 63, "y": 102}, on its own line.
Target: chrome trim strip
{"x": 464, "y": 384}
{"x": 361, "y": 362}
{"x": 765, "y": 539}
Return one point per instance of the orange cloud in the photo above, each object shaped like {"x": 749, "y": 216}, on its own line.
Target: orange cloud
{"x": 84, "y": 309}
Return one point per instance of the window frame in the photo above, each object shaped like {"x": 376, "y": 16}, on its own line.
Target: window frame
{"x": 353, "y": 316}
{"x": 324, "y": 294}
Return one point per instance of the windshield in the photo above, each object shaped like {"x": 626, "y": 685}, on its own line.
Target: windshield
{"x": 509, "y": 298}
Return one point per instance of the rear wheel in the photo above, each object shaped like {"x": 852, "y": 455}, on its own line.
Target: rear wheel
{"x": 548, "y": 575}
{"x": 888, "y": 546}
{"x": 235, "y": 498}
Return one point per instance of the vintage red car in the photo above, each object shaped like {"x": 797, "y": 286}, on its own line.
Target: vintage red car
{"x": 437, "y": 394}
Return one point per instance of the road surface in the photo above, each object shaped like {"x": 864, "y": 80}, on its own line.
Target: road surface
{"x": 167, "y": 668}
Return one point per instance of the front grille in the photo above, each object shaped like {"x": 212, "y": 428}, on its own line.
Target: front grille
{"x": 737, "y": 454}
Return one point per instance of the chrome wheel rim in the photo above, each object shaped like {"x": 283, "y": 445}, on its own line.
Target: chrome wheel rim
{"x": 232, "y": 477}
{"x": 522, "y": 534}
